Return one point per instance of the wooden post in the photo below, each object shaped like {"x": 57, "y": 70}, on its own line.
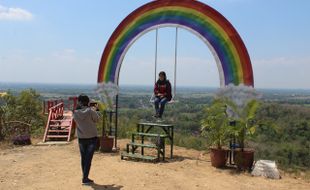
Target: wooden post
{"x": 74, "y": 99}
{"x": 116, "y": 121}
{"x": 47, "y": 125}
{"x": 172, "y": 139}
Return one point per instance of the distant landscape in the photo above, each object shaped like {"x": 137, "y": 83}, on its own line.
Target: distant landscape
{"x": 289, "y": 110}
{"x": 61, "y": 90}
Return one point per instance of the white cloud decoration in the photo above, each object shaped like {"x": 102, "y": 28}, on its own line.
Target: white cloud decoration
{"x": 240, "y": 95}
{"x": 107, "y": 93}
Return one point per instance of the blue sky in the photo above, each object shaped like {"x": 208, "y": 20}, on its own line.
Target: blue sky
{"x": 62, "y": 42}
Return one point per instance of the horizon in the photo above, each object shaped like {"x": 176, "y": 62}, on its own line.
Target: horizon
{"x": 27, "y": 85}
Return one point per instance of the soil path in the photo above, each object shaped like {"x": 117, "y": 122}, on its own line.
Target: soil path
{"x": 58, "y": 167}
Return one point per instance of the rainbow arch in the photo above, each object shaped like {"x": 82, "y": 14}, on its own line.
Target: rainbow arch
{"x": 215, "y": 30}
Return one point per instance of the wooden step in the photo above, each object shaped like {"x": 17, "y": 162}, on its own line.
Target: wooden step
{"x": 61, "y": 120}
{"x": 57, "y": 136}
{"x": 139, "y": 156}
{"x": 150, "y": 135}
{"x": 155, "y": 124}
{"x": 142, "y": 145}
{"x": 53, "y": 129}
{"x": 61, "y": 125}
{"x": 58, "y": 131}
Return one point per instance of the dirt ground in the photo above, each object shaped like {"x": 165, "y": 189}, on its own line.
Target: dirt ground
{"x": 58, "y": 167}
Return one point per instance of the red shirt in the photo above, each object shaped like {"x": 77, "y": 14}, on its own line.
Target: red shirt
{"x": 163, "y": 88}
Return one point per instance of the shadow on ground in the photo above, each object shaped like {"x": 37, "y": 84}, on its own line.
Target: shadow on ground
{"x": 109, "y": 154}
{"x": 179, "y": 158}
{"x": 96, "y": 186}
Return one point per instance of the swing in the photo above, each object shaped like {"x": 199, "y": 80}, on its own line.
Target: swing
{"x": 173, "y": 99}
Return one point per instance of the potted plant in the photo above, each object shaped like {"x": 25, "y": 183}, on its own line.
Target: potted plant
{"x": 107, "y": 92}
{"x": 106, "y": 142}
{"x": 244, "y": 128}
{"x": 215, "y": 127}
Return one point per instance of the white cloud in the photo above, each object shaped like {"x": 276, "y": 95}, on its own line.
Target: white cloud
{"x": 65, "y": 56}
{"x": 72, "y": 66}
{"x": 285, "y": 61}
{"x": 282, "y": 72}
{"x": 59, "y": 66}
{"x": 7, "y": 13}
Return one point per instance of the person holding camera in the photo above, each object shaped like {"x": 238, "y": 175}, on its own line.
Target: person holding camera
{"x": 86, "y": 118}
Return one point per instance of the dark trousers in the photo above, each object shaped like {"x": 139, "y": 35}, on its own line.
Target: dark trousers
{"x": 160, "y": 105}
{"x": 87, "y": 149}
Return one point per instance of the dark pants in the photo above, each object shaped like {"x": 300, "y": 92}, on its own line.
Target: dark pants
{"x": 87, "y": 149}
{"x": 160, "y": 105}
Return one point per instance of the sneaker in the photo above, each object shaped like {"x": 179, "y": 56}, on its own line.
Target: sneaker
{"x": 87, "y": 181}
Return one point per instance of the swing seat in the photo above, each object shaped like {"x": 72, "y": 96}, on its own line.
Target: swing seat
{"x": 173, "y": 100}
{"x": 152, "y": 99}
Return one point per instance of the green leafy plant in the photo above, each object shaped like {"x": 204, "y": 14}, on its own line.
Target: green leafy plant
{"x": 245, "y": 120}
{"x": 102, "y": 125}
{"x": 215, "y": 126}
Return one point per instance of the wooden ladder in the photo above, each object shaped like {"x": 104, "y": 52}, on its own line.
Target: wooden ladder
{"x": 59, "y": 124}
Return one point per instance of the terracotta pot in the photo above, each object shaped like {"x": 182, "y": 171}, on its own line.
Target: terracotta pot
{"x": 106, "y": 143}
{"x": 218, "y": 157}
{"x": 244, "y": 159}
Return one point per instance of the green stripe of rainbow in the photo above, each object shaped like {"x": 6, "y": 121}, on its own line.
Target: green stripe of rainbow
{"x": 224, "y": 41}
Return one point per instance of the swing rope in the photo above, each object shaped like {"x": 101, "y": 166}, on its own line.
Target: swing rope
{"x": 175, "y": 65}
{"x": 156, "y": 46}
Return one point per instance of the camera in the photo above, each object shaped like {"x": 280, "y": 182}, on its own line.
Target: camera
{"x": 94, "y": 104}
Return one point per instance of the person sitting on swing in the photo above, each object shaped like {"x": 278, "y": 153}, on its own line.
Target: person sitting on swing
{"x": 162, "y": 92}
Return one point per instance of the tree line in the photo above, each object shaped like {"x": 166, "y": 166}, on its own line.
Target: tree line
{"x": 285, "y": 137}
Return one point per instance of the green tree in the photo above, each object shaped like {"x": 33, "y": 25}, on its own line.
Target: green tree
{"x": 25, "y": 107}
